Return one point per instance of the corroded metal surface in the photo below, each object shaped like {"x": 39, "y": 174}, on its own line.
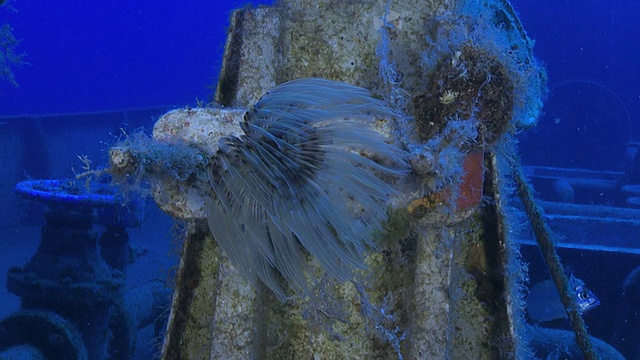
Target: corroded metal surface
{"x": 425, "y": 291}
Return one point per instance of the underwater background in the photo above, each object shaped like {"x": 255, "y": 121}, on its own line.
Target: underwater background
{"x": 87, "y": 72}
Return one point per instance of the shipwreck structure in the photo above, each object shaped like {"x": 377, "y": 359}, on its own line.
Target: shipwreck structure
{"x": 444, "y": 279}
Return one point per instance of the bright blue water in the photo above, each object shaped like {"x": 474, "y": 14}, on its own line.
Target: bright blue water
{"x": 592, "y": 111}
{"x": 96, "y": 56}
{"x": 92, "y": 56}
{"x": 590, "y": 52}
{"x": 102, "y": 55}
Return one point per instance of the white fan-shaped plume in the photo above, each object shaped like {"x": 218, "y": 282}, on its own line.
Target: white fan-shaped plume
{"x": 287, "y": 184}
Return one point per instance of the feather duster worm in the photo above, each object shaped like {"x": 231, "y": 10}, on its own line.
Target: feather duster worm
{"x": 291, "y": 181}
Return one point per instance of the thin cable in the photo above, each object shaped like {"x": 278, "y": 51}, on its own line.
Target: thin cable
{"x": 543, "y": 237}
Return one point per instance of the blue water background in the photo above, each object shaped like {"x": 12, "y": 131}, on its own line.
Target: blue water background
{"x": 91, "y": 56}
{"x": 590, "y": 51}
{"x": 87, "y": 56}
{"x": 89, "y": 61}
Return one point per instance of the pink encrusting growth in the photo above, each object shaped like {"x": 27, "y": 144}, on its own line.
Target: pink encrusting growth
{"x": 470, "y": 187}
